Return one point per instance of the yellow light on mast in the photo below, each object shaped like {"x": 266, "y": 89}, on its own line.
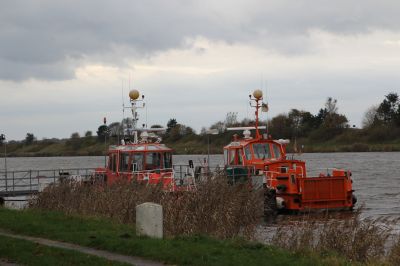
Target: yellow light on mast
{"x": 134, "y": 94}
{"x": 258, "y": 94}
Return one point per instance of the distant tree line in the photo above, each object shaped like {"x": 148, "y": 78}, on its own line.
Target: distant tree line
{"x": 380, "y": 123}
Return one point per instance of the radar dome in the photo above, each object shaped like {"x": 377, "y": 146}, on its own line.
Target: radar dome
{"x": 257, "y": 94}
{"x": 134, "y": 94}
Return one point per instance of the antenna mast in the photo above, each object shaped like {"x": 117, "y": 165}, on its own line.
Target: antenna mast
{"x": 266, "y": 104}
{"x": 256, "y": 97}
{"x": 136, "y": 103}
{"x": 123, "y": 109}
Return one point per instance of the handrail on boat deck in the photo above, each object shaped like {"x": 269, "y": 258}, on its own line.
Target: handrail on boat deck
{"x": 30, "y": 180}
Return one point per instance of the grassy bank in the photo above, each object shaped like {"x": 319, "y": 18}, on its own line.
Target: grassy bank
{"x": 27, "y": 253}
{"x": 197, "y": 146}
{"x": 119, "y": 238}
{"x": 229, "y": 212}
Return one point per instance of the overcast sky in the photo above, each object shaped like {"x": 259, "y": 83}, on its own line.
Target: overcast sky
{"x": 63, "y": 64}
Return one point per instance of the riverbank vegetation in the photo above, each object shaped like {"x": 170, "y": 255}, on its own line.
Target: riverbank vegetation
{"x": 22, "y": 252}
{"x": 120, "y": 238}
{"x": 215, "y": 208}
{"x": 327, "y": 131}
{"x": 230, "y": 217}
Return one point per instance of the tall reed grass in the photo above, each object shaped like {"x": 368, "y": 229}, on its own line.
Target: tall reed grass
{"x": 368, "y": 241}
{"x": 215, "y": 208}
{"x": 221, "y": 210}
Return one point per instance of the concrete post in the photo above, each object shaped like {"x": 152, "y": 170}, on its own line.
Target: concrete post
{"x": 149, "y": 220}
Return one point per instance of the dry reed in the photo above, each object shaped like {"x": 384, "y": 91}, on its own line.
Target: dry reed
{"x": 357, "y": 239}
{"x": 215, "y": 208}
{"x": 224, "y": 211}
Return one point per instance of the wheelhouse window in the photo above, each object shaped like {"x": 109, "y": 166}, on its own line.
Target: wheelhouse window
{"x": 226, "y": 156}
{"x": 153, "y": 160}
{"x": 167, "y": 160}
{"x": 232, "y": 157}
{"x": 247, "y": 152}
{"x": 277, "y": 151}
{"x": 124, "y": 162}
{"x": 239, "y": 157}
{"x": 137, "y": 162}
{"x": 112, "y": 162}
{"x": 262, "y": 151}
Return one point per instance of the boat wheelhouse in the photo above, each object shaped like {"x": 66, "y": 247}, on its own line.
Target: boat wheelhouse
{"x": 142, "y": 157}
{"x": 263, "y": 161}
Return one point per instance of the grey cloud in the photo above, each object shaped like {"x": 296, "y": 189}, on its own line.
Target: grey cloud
{"x": 47, "y": 39}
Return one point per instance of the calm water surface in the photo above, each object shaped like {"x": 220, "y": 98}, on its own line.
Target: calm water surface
{"x": 376, "y": 175}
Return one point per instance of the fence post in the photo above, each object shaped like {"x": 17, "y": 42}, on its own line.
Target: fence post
{"x": 6, "y": 181}
{"x": 30, "y": 180}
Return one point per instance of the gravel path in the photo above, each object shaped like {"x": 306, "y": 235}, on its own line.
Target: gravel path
{"x": 91, "y": 251}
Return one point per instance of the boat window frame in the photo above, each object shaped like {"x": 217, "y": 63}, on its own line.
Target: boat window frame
{"x": 234, "y": 156}
{"x": 126, "y": 155}
{"x": 160, "y": 162}
{"x": 164, "y": 163}
{"x": 247, "y": 152}
{"x": 112, "y": 162}
{"x": 135, "y": 166}
{"x": 232, "y": 159}
{"x": 239, "y": 156}
{"x": 226, "y": 154}
{"x": 265, "y": 144}
{"x": 277, "y": 147}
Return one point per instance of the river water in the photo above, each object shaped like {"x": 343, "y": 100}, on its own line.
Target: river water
{"x": 376, "y": 176}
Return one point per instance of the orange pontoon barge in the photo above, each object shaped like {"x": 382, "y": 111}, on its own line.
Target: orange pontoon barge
{"x": 285, "y": 181}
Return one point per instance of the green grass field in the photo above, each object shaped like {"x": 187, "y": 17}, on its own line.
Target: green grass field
{"x": 27, "y": 253}
{"x": 119, "y": 238}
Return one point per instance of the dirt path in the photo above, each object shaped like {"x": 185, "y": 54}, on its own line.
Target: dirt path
{"x": 91, "y": 251}
{"x": 7, "y": 263}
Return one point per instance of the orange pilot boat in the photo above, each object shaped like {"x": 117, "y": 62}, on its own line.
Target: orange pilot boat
{"x": 287, "y": 187}
{"x": 142, "y": 157}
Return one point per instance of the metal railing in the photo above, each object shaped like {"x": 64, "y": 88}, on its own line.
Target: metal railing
{"x": 23, "y": 182}
{"x": 239, "y": 173}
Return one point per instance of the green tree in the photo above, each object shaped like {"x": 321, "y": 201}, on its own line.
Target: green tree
{"x": 219, "y": 126}
{"x": 370, "y": 117}
{"x": 115, "y": 129}
{"x": 30, "y": 138}
{"x": 75, "y": 141}
{"x": 171, "y": 124}
{"x": 280, "y": 126}
{"x": 330, "y": 122}
{"x": 102, "y": 132}
{"x": 302, "y": 122}
{"x": 388, "y": 111}
{"x": 332, "y": 119}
